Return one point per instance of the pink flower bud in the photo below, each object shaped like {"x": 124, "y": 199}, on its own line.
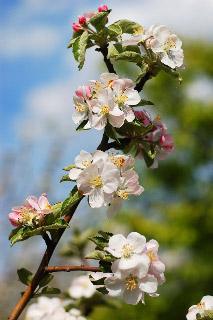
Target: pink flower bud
{"x": 144, "y": 117}
{"x": 77, "y": 27}
{"x": 102, "y": 7}
{"x": 14, "y": 218}
{"x": 82, "y": 20}
{"x": 83, "y": 92}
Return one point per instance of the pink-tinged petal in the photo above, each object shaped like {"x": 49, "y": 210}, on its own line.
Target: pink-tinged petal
{"x": 116, "y": 121}
{"x": 77, "y": 27}
{"x": 43, "y": 202}
{"x": 15, "y": 219}
{"x": 84, "y": 92}
{"x": 74, "y": 173}
{"x": 17, "y": 208}
{"x": 32, "y": 202}
{"x": 114, "y": 208}
{"x": 153, "y": 246}
{"x": 128, "y": 113}
{"x": 156, "y": 46}
{"x": 96, "y": 198}
{"x": 132, "y": 296}
{"x": 108, "y": 78}
{"x": 148, "y": 284}
{"x": 89, "y": 15}
{"x": 128, "y": 83}
{"x": 116, "y": 111}
{"x": 137, "y": 240}
{"x": 158, "y": 266}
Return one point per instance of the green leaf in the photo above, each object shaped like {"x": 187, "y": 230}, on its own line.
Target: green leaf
{"x": 148, "y": 153}
{"x": 83, "y": 45}
{"x": 65, "y": 178}
{"x": 105, "y": 266}
{"x": 129, "y": 56}
{"x": 100, "y": 242}
{"x": 102, "y": 290}
{"x": 74, "y": 196}
{"x": 144, "y": 102}
{"x": 50, "y": 290}
{"x": 17, "y": 237}
{"x": 76, "y": 49}
{"x": 45, "y": 280}
{"x": 59, "y": 223}
{"x": 56, "y": 210}
{"x": 172, "y": 72}
{"x": 82, "y": 125}
{"x": 68, "y": 168}
{"x": 117, "y": 48}
{"x": 110, "y": 131}
{"x": 75, "y": 36}
{"x": 14, "y": 232}
{"x": 105, "y": 235}
{"x": 115, "y": 28}
{"x": 127, "y": 26}
{"x": 25, "y": 276}
{"x": 133, "y": 129}
{"x": 96, "y": 255}
{"x": 99, "y": 20}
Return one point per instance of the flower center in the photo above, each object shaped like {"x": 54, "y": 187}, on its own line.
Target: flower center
{"x": 158, "y": 117}
{"x": 123, "y": 194}
{"x": 105, "y": 109}
{"x": 201, "y": 305}
{"x": 151, "y": 256}
{"x": 25, "y": 211}
{"x": 131, "y": 283}
{"x": 96, "y": 86}
{"x": 86, "y": 163}
{"x": 170, "y": 43}
{"x": 118, "y": 161}
{"x": 123, "y": 98}
{"x": 128, "y": 251}
{"x": 138, "y": 31}
{"x": 96, "y": 182}
{"x": 80, "y": 107}
{"x": 48, "y": 206}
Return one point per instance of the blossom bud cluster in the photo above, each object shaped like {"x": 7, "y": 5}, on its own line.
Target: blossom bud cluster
{"x": 161, "y": 43}
{"x": 110, "y": 101}
{"x": 84, "y": 20}
{"x": 206, "y": 304}
{"x": 137, "y": 270}
{"x": 106, "y": 178}
{"x": 158, "y": 137}
{"x": 51, "y": 309}
{"x": 32, "y": 212}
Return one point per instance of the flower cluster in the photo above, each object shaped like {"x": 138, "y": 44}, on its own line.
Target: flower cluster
{"x": 81, "y": 287}
{"x": 137, "y": 269}
{"x": 162, "y": 141}
{"x": 106, "y": 178}
{"x": 110, "y": 101}
{"x": 206, "y": 304}
{"x": 159, "y": 41}
{"x": 84, "y": 20}
{"x": 51, "y": 309}
{"x": 32, "y": 212}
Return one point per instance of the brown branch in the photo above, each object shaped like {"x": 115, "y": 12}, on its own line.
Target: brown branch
{"x": 71, "y": 268}
{"x": 139, "y": 86}
{"x": 50, "y": 244}
{"x": 104, "y": 51}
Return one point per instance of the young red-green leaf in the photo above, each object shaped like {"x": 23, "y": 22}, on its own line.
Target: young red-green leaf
{"x": 25, "y": 276}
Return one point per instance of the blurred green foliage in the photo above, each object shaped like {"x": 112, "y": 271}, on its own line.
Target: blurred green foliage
{"x": 175, "y": 208}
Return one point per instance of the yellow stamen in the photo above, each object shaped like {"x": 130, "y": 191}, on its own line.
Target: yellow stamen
{"x": 158, "y": 117}
{"x": 122, "y": 97}
{"x": 48, "y": 206}
{"x": 138, "y": 31}
{"x": 201, "y": 305}
{"x": 110, "y": 84}
{"x": 96, "y": 182}
{"x": 127, "y": 250}
{"x": 105, "y": 109}
{"x": 123, "y": 194}
{"x": 95, "y": 86}
{"x": 86, "y": 163}
{"x": 80, "y": 107}
{"x": 131, "y": 283}
{"x": 152, "y": 258}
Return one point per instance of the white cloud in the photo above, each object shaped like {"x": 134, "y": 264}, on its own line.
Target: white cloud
{"x": 34, "y": 41}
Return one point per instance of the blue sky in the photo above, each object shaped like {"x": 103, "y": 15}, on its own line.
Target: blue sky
{"x": 39, "y": 77}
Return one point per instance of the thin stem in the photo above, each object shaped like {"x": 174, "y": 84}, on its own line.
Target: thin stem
{"x": 139, "y": 86}
{"x": 50, "y": 244}
{"x": 71, "y": 268}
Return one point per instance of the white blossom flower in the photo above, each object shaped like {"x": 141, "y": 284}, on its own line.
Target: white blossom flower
{"x": 43, "y": 307}
{"x": 157, "y": 267}
{"x": 139, "y": 35}
{"x": 132, "y": 282}
{"x": 82, "y": 111}
{"x": 126, "y": 96}
{"x": 205, "y": 304}
{"x": 128, "y": 250}
{"x": 123, "y": 162}
{"x": 81, "y": 287}
{"x": 105, "y": 109}
{"x": 75, "y": 314}
{"x": 85, "y": 159}
{"x": 99, "y": 181}
{"x": 168, "y": 46}
{"x": 128, "y": 185}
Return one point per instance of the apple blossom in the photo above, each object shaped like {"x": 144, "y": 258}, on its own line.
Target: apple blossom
{"x": 32, "y": 208}
{"x": 167, "y": 46}
{"x": 144, "y": 117}
{"x": 105, "y": 109}
{"x": 82, "y": 110}
{"x": 81, "y": 287}
{"x": 133, "y": 282}
{"x": 107, "y": 79}
{"x": 205, "y": 304}
{"x": 75, "y": 314}
{"x": 84, "y": 92}
{"x": 102, "y": 7}
{"x": 128, "y": 250}
{"x": 157, "y": 267}
{"x": 99, "y": 180}
{"x": 128, "y": 185}
{"x": 77, "y": 27}
{"x": 139, "y": 35}
{"x": 43, "y": 307}
{"x": 126, "y": 96}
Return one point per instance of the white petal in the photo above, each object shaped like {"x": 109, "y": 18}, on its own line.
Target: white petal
{"x": 97, "y": 155}
{"x": 133, "y": 96}
{"x": 208, "y": 300}
{"x": 137, "y": 240}
{"x": 132, "y": 297}
{"x": 116, "y": 243}
{"x": 84, "y": 156}
{"x": 129, "y": 114}
{"x": 148, "y": 284}
{"x": 114, "y": 283}
{"x": 96, "y": 198}
{"x": 74, "y": 173}
{"x": 116, "y": 121}
{"x": 115, "y": 207}
{"x": 107, "y": 77}
{"x": 78, "y": 117}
